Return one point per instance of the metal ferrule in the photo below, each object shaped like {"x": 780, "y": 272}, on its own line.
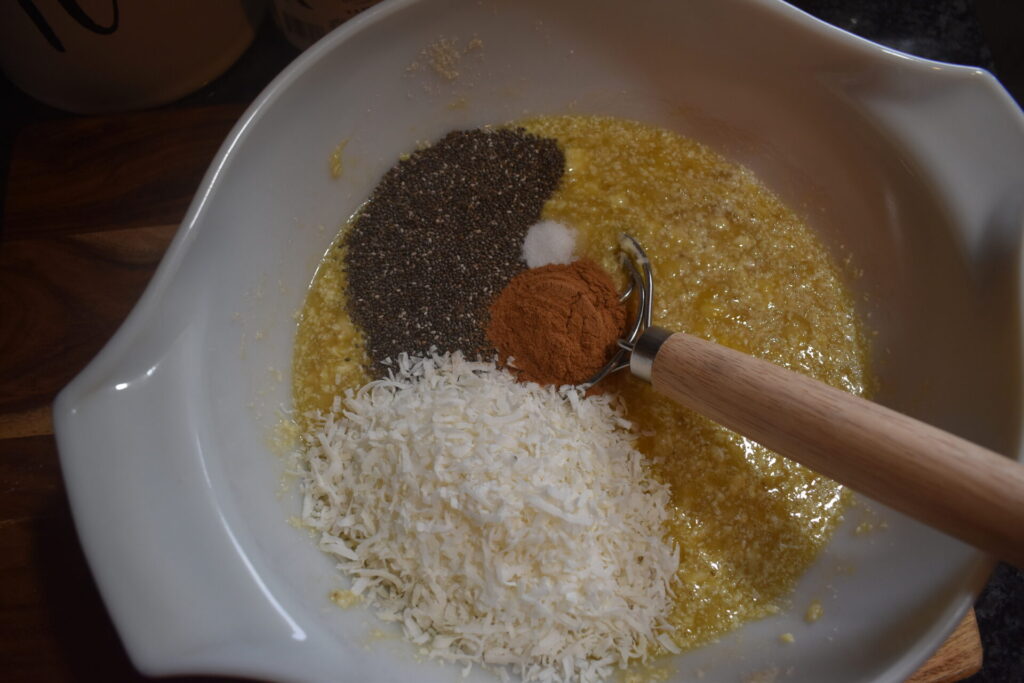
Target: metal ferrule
{"x": 641, "y": 361}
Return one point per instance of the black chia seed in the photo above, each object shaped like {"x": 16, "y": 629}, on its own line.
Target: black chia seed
{"x": 441, "y": 236}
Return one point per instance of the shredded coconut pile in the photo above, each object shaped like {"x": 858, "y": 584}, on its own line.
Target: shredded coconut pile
{"x": 498, "y": 522}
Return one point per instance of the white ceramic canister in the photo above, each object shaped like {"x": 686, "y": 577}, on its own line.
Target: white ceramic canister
{"x": 91, "y": 56}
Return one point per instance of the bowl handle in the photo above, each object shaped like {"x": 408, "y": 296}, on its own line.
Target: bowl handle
{"x": 181, "y": 591}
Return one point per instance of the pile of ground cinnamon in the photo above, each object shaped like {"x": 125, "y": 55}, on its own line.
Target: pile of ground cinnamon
{"x": 557, "y": 324}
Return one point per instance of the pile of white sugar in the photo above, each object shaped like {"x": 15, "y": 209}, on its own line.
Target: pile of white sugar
{"x": 498, "y": 522}
{"x": 548, "y": 242}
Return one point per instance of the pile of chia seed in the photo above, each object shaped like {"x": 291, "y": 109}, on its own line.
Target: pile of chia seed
{"x": 441, "y": 236}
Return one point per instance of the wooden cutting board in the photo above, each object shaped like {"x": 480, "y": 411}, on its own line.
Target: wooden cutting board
{"x": 91, "y": 205}
{"x": 959, "y": 657}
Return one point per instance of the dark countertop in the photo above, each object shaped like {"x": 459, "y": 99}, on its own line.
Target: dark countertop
{"x": 984, "y": 33}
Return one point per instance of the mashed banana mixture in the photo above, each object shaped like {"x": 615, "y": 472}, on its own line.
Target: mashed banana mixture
{"x": 731, "y": 264}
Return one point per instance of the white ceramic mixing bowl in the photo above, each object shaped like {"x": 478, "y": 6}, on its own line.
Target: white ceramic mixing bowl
{"x": 911, "y": 170}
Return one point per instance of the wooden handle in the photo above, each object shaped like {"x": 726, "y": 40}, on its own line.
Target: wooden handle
{"x": 940, "y": 479}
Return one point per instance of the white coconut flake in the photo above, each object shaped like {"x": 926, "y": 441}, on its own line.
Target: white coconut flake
{"x": 498, "y": 522}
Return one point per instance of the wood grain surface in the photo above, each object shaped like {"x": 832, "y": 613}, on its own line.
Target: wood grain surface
{"x": 959, "y": 657}
{"x": 91, "y": 205}
{"x": 99, "y": 173}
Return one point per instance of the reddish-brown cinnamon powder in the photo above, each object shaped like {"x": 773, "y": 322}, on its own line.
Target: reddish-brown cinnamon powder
{"x": 557, "y": 324}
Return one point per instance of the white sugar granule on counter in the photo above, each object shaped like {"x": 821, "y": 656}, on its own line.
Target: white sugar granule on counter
{"x": 498, "y": 522}
{"x": 548, "y": 242}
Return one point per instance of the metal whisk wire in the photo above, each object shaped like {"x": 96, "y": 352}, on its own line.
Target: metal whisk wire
{"x": 641, "y": 284}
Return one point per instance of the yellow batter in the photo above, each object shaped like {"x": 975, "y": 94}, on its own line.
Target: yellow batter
{"x": 731, "y": 264}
